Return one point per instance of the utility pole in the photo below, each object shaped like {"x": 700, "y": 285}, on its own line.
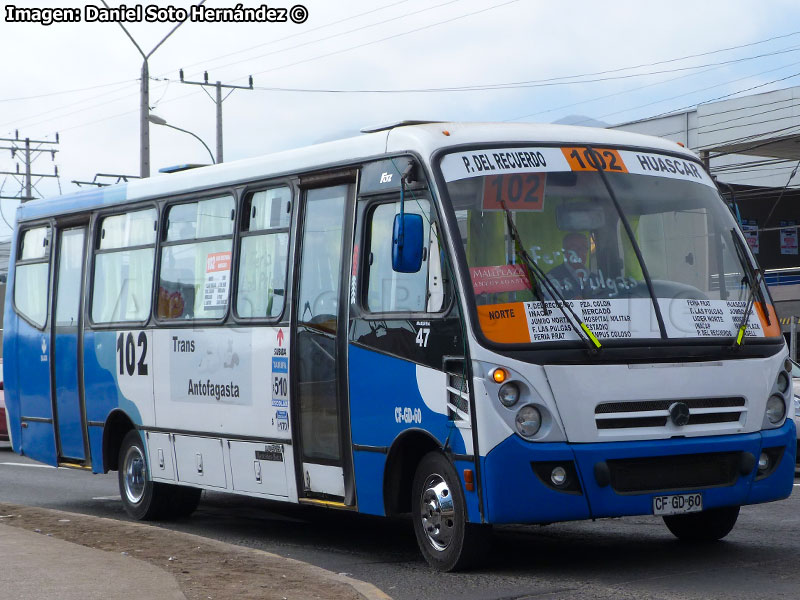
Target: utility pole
{"x": 144, "y": 96}
{"x": 29, "y": 150}
{"x": 218, "y": 100}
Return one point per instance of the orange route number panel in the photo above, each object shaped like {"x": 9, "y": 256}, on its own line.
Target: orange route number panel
{"x": 602, "y": 159}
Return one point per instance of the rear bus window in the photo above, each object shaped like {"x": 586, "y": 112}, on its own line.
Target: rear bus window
{"x": 194, "y": 281}
{"x": 32, "y": 275}
{"x": 123, "y": 267}
{"x": 264, "y": 250}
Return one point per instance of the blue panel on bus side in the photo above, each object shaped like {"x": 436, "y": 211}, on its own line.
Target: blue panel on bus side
{"x": 32, "y": 386}
{"x": 39, "y": 442}
{"x": 96, "y": 448}
{"x": 369, "y": 468}
{"x": 101, "y": 386}
{"x": 68, "y": 401}
{"x": 385, "y": 401}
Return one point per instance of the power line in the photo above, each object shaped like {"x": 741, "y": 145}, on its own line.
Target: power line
{"x": 63, "y": 92}
{"x": 305, "y": 32}
{"x": 421, "y": 28}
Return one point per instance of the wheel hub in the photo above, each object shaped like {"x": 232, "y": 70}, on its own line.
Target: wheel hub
{"x": 438, "y": 513}
{"x": 134, "y": 475}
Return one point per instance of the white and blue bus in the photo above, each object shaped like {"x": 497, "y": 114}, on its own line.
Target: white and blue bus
{"x": 472, "y": 323}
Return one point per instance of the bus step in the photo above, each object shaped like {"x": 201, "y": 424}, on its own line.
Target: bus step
{"x": 72, "y": 465}
{"x": 326, "y": 503}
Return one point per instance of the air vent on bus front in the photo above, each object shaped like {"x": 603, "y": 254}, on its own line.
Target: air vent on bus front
{"x": 655, "y": 413}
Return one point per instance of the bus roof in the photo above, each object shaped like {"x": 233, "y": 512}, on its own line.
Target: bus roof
{"x": 424, "y": 139}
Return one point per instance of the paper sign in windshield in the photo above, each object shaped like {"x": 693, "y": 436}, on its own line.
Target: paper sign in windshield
{"x": 502, "y": 278}
{"x": 520, "y": 191}
{"x": 218, "y": 270}
{"x": 685, "y": 317}
{"x": 525, "y": 322}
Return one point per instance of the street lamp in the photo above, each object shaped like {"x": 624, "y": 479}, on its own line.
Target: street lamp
{"x": 156, "y": 120}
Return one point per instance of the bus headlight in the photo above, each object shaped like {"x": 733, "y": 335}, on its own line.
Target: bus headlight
{"x": 783, "y": 382}
{"x": 776, "y": 409}
{"x": 508, "y": 394}
{"x": 797, "y": 406}
{"x": 528, "y": 421}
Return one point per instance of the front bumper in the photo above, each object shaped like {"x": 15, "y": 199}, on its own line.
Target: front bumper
{"x": 515, "y": 494}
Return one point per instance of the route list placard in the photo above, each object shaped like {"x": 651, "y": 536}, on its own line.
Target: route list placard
{"x": 607, "y": 319}
{"x": 615, "y": 319}
{"x": 707, "y": 318}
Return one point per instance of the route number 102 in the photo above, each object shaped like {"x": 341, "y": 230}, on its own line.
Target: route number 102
{"x": 127, "y": 351}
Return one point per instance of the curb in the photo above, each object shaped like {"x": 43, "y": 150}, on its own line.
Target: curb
{"x": 28, "y": 518}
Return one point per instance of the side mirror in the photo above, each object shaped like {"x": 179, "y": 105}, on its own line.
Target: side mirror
{"x": 407, "y": 243}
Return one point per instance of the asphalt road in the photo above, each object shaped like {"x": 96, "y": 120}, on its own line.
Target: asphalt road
{"x": 613, "y": 558}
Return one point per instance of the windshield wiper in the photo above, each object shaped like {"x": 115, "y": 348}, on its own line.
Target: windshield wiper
{"x": 752, "y": 275}
{"x": 533, "y": 270}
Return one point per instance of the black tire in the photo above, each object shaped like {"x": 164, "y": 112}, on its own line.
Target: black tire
{"x": 182, "y": 501}
{"x": 706, "y": 526}
{"x": 143, "y": 499}
{"x": 439, "y": 514}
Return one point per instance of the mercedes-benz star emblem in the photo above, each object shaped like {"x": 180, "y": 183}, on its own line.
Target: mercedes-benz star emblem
{"x": 679, "y": 413}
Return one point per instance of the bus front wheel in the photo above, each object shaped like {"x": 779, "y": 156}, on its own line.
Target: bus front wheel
{"x": 447, "y": 541}
{"x": 142, "y": 499}
{"x": 706, "y": 526}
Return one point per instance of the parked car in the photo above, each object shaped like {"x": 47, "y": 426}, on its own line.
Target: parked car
{"x": 3, "y": 421}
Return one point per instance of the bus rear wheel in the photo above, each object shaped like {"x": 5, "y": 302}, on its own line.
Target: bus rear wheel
{"x": 143, "y": 499}
{"x": 439, "y": 513}
{"x": 706, "y": 526}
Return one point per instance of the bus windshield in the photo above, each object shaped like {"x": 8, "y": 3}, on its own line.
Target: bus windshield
{"x": 546, "y": 210}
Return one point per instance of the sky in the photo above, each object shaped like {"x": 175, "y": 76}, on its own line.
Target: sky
{"x": 364, "y": 62}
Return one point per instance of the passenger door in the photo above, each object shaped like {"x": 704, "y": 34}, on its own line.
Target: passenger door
{"x": 319, "y": 332}
{"x": 67, "y": 324}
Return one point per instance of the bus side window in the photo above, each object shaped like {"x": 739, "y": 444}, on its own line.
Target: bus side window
{"x": 390, "y": 291}
{"x": 123, "y": 267}
{"x": 194, "y": 279}
{"x": 32, "y": 275}
{"x": 263, "y": 254}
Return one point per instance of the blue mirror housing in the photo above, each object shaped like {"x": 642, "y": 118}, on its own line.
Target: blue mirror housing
{"x": 407, "y": 243}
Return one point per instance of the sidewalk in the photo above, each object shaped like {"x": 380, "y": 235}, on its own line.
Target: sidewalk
{"x": 53, "y": 554}
{"x": 34, "y": 566}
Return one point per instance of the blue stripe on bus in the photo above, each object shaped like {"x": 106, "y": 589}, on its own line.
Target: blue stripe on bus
{"x": 71, "y": 203}
{"x": 513, "y": 493}
{"x": 102, "y": 386}
{"x": 379, "y": 386}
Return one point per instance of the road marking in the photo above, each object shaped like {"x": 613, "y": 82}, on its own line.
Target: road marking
{"x": 106, "y": 498}
{"x": 16, "y": 464}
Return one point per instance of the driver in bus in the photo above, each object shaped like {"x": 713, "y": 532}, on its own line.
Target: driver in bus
{"x": 571, "y": 276}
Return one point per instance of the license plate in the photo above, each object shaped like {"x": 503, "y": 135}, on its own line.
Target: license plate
{"x": 677, "y": 504}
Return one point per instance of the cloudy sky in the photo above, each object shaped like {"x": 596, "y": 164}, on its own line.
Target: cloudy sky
{"x": 560, "y": 59}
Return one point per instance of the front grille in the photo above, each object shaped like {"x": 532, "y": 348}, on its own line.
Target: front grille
{"x": 655, "y": 413}
{"x": 662, "y": 473}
